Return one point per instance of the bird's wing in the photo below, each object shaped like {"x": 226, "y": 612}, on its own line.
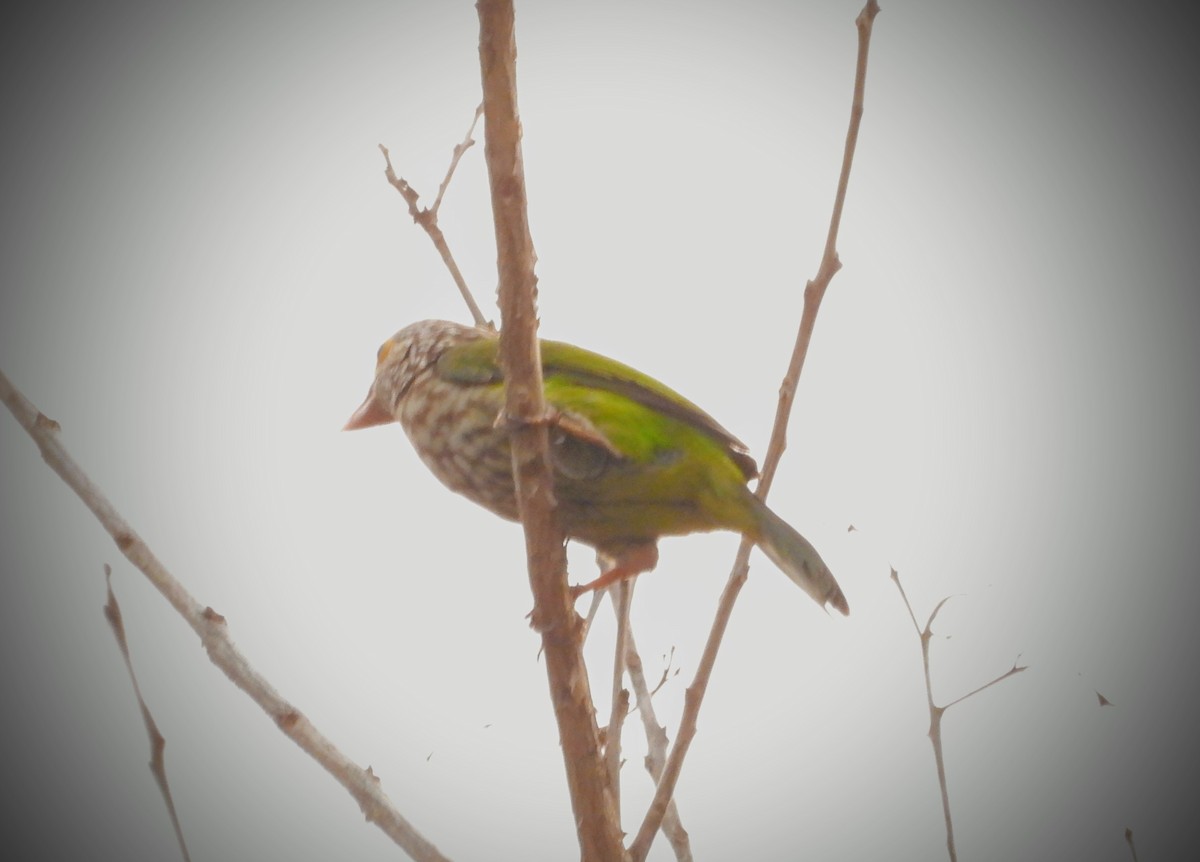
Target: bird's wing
{"x": 581, "y": 384}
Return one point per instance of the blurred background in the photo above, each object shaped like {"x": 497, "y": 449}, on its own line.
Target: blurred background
{"x": 201, "y": 256}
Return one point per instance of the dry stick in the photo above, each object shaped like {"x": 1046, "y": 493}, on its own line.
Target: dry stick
{"x": 814, "y": 291}
{"x": 666, "y": 674}
{"x": 554, "y": 616}
{"x": 158, "y": 763}
{"x": 937, "y": 712}
{"x": 656, "y": 745}
{"x": 362, "y": 784}
{"x": 656, "y": 735}
{"x": 622, "y": 596}
{"x": 459, "y": 149}
{"x": 427, "y": 218}
{"x": 597, "y": 597}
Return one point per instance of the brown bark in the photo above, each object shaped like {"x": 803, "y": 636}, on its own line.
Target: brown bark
{"x": 600, "y": 837}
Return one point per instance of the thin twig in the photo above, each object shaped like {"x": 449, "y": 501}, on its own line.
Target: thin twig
{"x": 428, "y": 218}
{"x": 1012, "y": 671}
{"x": 459, "y": 149}
{"x": 936, "y": 712}
{"x": 666, "y": 674}
{"x": 656, "y": 744}
{"x": 596, "y": 821}
{"x": 622, "y": 596}
{"x": 813, "y": 293}
{"x": 158, "y": 763}
{"x": 362, "y": 784}
{"x": 597, "y": 597}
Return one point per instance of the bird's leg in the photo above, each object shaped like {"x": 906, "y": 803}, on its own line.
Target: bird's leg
{"x": 630, "y": 562}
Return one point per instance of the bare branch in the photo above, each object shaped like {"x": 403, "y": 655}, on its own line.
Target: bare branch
{"x": 666, "y": 674}
{"x": 907, "y": 604}
{"x": 214, "y": 635}
{"x": 597, "y": 597}
{"x": 158, "y": 764}
{"x": 622, "y": 594}
{"x": 554, "y": 616}
{"x": 428, "y": 218}
{"x": 813, "y": 294}
{"x": 656, "y": 745}
{"x": 937, "y": 712}
{"x": 459, "y": 149}
{"x": 1012, "y": 671}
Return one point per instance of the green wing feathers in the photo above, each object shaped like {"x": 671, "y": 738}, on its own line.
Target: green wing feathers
{"x": 621, "y": 402}
{"x": 636, "y": 460}
{"x": 591, "y": 370}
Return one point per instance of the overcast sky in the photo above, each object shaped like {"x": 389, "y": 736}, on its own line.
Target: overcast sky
{"x": 201, "y": 255}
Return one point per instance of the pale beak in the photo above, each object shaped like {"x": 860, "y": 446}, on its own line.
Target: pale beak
{"x": 369, "y": 413}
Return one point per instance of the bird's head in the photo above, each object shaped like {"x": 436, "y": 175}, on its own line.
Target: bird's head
{"x": 401, "y": 359}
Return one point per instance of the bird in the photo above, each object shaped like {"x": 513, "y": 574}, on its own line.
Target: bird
{"x": 632, "y": 459}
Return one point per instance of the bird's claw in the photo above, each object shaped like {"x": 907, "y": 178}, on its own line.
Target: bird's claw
{"x": 577, "y": 590}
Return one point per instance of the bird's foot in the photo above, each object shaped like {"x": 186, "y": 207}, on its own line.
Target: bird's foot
{"x": 629, "y": 563}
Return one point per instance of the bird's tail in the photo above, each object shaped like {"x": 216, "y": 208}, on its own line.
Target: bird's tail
{"x": 797, "y": 558}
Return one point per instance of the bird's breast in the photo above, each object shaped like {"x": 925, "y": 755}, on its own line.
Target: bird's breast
{"x": 453, "y": 428}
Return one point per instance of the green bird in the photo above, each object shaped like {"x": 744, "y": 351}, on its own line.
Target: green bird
{"x": 633, "y": 460}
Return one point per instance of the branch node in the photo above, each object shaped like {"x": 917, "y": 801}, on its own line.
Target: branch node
{"x": 288, "y": 720}
{"x": 213, "y": 618}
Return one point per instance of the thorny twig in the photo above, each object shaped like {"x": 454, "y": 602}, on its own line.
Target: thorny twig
{"x": 428, "y": 218}
{"x": 936, "y": 712}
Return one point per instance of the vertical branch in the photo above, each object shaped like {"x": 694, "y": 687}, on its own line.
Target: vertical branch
{"x": 814, "y": 292}
{"x": 622, "y": 596}
{"x": 600, "y": 837}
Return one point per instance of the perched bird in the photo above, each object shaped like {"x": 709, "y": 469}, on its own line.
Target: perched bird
{"x": 633, "y": 460}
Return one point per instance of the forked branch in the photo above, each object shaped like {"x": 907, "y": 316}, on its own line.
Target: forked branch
{"x": 427, "y": 218}
{"x": 937, "y": 712}
{"x": 362, "y": 784}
